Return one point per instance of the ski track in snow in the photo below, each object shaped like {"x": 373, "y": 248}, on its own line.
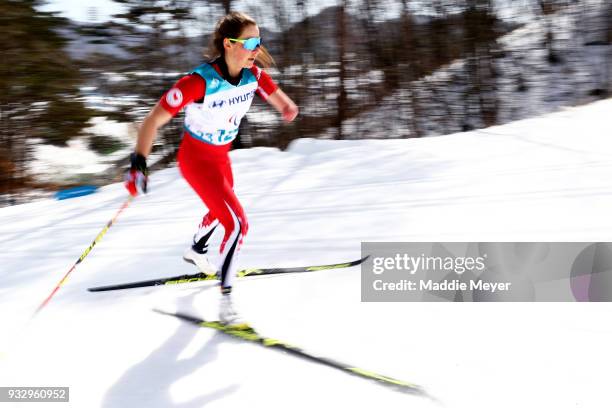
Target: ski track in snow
{"x": 542, "y": 179}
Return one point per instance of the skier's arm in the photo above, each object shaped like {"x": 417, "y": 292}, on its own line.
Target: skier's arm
{"x": 136, "y": 178}
{"x": 283, "y": 104}
{"x": 157, "y": 118}
{"x": 271, "y": 93}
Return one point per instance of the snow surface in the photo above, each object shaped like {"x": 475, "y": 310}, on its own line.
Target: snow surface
{"x": 542, "y": 179}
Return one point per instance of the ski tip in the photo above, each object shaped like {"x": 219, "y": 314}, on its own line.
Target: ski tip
{"x": 163, "y": 312}
{"x": 100, "y": 289}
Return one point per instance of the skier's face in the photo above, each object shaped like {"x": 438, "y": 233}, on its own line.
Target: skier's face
{"x": 236, "y": 51}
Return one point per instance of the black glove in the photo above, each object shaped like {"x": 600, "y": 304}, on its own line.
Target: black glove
{"x": 138, "y": 174}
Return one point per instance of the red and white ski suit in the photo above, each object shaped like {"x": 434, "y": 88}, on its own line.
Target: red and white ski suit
{"x": 203, "y": 154}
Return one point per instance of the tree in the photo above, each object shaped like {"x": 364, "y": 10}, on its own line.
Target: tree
{"x": 548, "y": 7}
{"x": 153, "y": 26}
{"x": 342, "y": 97}
{"x": 481, "y": 92}
{"x": 409, "y": 68}
{"x": 38, "y": 88}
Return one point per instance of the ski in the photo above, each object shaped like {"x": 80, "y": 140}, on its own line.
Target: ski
{"x": 250, "y": 335}
{"x": 199, "y": 277}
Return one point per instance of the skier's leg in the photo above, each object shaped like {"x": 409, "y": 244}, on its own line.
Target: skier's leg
{"x": 229, "y": 252}
{"x": 227, "y": 272}
{"x": 232, "y": 200}
{"x": 207, "y": 183}
{"x": 217, "y": 194}
{"x": 197, "y": 252}
{"x": 215, "y": 188}
{"x": 205, "y": 231}
{"x": 227, "y": 266}
{"x": 228, "y": 175}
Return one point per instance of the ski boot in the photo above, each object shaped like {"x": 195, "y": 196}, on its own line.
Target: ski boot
{"x": 200, "y": 260}
{"x": 228, "y": 315}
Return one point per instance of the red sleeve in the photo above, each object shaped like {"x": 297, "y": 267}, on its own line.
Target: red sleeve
{"x": 266, "y": 86}
{"x": 186, "y": 90}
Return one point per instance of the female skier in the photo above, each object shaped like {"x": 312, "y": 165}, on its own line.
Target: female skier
{"x": 216, "y": 95}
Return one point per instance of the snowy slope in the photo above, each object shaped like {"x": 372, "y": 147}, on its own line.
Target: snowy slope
{"x": 543, "y": 179}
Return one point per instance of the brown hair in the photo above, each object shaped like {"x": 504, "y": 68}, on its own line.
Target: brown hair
{"x": 230, "y": 26}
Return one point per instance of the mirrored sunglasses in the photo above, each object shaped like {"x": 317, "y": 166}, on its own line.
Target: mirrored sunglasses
{"x": 249, "y": 44}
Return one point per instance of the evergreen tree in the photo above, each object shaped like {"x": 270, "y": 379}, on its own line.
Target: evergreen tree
{"x": 38, "y": 87}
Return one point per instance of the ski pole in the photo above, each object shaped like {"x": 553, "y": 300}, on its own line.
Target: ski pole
{"x": 83, "y": 255}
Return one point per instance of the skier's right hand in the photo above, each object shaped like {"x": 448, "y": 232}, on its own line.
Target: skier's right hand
{"x": 137, "y": 176}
